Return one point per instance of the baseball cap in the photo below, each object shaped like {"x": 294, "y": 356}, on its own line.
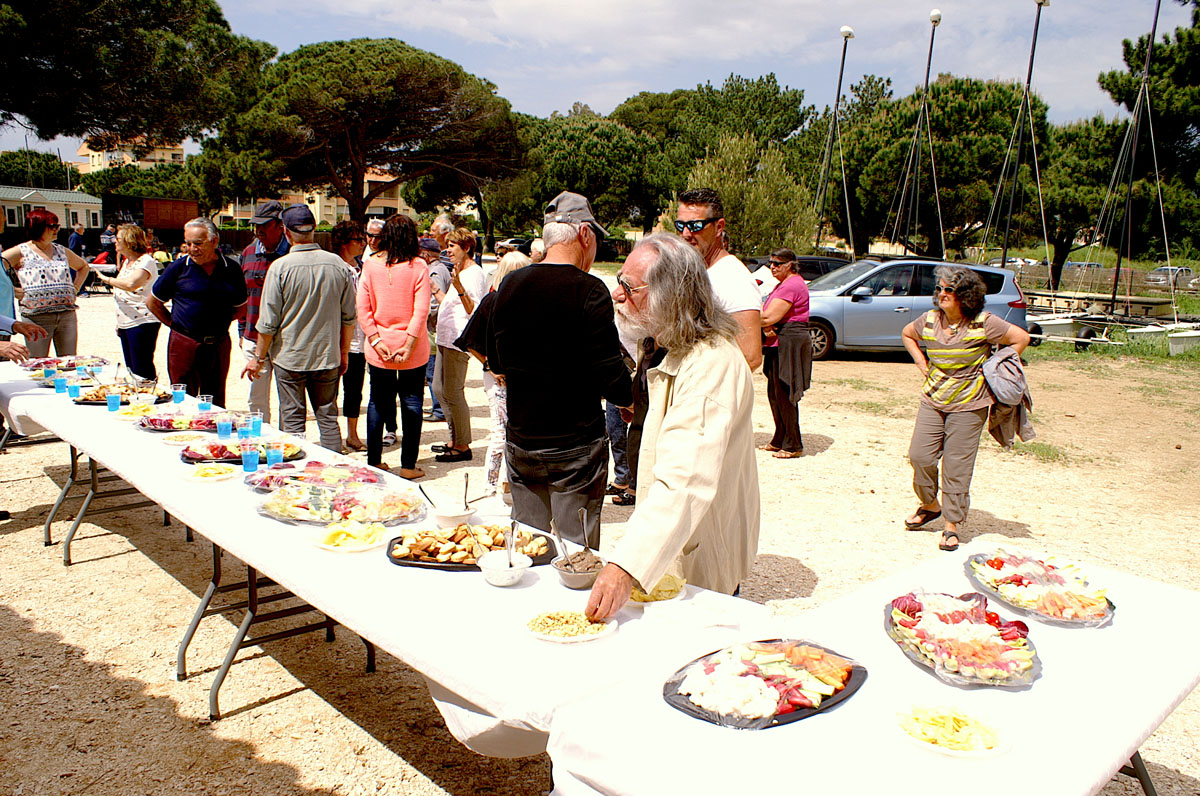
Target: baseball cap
{"x": 429, "y": 244}
{"x": 267, "y": 211}
{"x": 298, "y": 218}
{"x": 571, "y": 208}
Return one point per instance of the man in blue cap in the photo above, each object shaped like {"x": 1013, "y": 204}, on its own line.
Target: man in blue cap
{"x": 305, "y": 326}
{"x": 269, "y": 245}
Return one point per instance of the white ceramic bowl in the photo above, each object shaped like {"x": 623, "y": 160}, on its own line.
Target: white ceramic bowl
{"x": 142, "y": 398}
{"x": 452, "y": 519}
{"x": 496, "y": 570}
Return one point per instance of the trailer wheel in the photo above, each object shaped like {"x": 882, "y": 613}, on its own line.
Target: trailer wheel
{"x": 1086, "y": 334}
{"x": 1035, "y": 329}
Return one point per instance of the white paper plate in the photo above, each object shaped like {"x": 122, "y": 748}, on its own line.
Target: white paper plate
{"x": 610, "y": 627}
{"x": 183, "y": 438}
{"x": 191, "y": 474}
{"x": 1002, "y": 745}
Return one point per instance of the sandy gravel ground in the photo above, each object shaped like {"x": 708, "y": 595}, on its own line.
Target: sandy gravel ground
{"x": 89, "y": 703}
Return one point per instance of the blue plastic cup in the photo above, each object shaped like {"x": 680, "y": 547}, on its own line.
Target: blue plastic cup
{"x": 256, "y": 419}
{"x": 274, "y": 453}
{"x": 205, "y": 402}
{"x": 250, "y": 457}
{"x": 178, "y": 393}
{"x": 81, "y": 370}
{"x": 114, "y": 402}
{"x": 73, "y": 391}
{"x": 224, "y": 427}
{"x": 244, "y": 431}
{"x": 49, "y": 373}
{"x": 60, "y": 383}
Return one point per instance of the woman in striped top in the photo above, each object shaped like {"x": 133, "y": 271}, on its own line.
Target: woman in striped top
{"x": 957, "y": 337}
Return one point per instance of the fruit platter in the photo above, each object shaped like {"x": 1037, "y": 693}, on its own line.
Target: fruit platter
{"x": 459, "y": 548}
{"x": 198, "y": 452}
{"x": 98, "y": 396}
{"x": 71, "y": 377}
{"x": 64, "y": 363}
{"x": 341, "y": 476}
{"x": 763, "y": 684}
{"x": 323, "y": 505}
{"x": 1052, "y": 591}
{"x": 960, "y": 641}
{"x": 182, "y": 421}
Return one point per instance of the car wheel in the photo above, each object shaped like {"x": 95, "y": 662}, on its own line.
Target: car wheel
{"x": 822, "y": 339}
{"x": 1034, "y": 329}
{"x": 1085, "y": 335}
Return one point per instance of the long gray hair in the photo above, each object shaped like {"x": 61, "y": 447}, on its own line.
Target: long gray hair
{"x": 683, "y": 310}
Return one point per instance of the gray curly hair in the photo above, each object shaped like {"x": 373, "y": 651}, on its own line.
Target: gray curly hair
{"x": 967, "y": 286}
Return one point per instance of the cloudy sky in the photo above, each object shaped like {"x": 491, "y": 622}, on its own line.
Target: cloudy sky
{"x": 543, "y": 56}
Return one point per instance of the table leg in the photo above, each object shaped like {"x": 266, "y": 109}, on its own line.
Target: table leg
{"x": 370, "y": 654}
{"x": 201, "y": 612}
{"x": 214, "y": 710}
{"x": 74, "y": 453}
{"x": 1137, "y": 770}
{"x": 93, "y": 488}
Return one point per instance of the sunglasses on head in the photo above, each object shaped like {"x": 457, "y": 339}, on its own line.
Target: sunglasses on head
{"x": 629, "y": 290}
{"x": 693, "y": 226}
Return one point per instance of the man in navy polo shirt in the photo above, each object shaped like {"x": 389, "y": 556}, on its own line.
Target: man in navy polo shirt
{"x": 207, "y": 291}
{"x": 269, "y": 245}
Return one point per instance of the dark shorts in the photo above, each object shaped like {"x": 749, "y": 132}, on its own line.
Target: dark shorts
{"x": 556, "y": 483}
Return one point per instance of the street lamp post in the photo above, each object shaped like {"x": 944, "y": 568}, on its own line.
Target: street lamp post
{"x": 847, "y": 34}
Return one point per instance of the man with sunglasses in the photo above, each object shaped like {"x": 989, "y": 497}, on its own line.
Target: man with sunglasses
{"x": 374, "y": 230}
{"x": 269, "y": 245}
{"x": 554, "y": 344}
{"x": 700, "y": 220}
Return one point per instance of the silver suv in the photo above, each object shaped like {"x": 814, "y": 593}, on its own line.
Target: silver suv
{"x": 864, "y": 306}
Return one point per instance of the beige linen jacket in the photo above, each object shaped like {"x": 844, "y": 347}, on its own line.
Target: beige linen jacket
{"x": 697, "y": 478}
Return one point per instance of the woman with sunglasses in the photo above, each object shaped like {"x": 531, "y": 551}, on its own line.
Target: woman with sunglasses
{"x": 957, "y": 337}
{"x": 51, "y": 276}
{"x": 787, "y": 353}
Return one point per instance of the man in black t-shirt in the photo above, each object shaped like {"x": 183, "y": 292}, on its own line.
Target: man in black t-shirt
{"x": 554, "y": 344}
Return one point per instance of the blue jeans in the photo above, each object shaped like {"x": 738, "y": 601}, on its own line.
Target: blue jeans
{"x": 138, "y": 344}
{"x": 386, "y": 386}
{"x": 618, "y": 431}
{"x": 435, "y": 408}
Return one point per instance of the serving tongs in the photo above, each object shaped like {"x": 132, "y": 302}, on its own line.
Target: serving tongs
{"x": 562, "y": 547}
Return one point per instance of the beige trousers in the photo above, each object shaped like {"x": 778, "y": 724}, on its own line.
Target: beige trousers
{"x": 952, "y": 437}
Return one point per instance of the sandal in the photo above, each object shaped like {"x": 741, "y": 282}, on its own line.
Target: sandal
{"x": 924, "y": 517}
{"x": 769, "y": 447}
{"x": 413, "y": 474}
{"x": 454, "y": 456}
{"x": 624, "y": 499}
{"x": 782, "y": 454}
{"x": 389, "y": 439}
{"x": 613, "y": 489}
{"x": 945, "y": 543}
{"x": 356, "y": 445}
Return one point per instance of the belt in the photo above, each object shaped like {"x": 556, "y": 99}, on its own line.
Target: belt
{"x": 211, "y": 339}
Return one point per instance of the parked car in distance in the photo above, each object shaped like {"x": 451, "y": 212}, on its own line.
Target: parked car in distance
{"x": 1076, "y": 264}
{"x": 1014, "y": 263}
{"x": 811, "y": 267}
{"x": 1170, "y": 275}
{"x": 865, "y": 305}
{"x": 1194, "y": 284}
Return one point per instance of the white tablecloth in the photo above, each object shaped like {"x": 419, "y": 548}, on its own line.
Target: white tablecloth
{"x": 467, "y": 637}
{"x": 1101, "y": 694}
{"x": 17, "y": 386}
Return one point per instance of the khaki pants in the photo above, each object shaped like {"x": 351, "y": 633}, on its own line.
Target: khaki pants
{"x": 259, "y": 398}
{"x": 952, "y": 437}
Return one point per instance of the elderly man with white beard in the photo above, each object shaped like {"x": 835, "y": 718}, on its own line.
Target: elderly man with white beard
{"x": 698, "y": 506}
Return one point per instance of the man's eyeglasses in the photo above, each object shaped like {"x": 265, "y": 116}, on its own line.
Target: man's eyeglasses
{"x": 629, "y": 290}
{"x": 693, "y": 226}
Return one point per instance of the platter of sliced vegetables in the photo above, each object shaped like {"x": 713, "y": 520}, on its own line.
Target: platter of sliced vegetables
{"x": 1044, "y": 588}
{"x": 763, "y": 684}
{"x": 960, "y": 641}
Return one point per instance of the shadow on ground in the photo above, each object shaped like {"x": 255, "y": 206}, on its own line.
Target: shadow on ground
{"x": 778, "y": 578}
{"x": 814, "y": 444}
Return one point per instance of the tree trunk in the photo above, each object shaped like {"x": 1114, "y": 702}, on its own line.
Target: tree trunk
{"x": 485, "y": 219}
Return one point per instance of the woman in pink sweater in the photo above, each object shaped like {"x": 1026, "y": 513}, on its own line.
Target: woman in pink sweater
{"x": 393, "y": 304}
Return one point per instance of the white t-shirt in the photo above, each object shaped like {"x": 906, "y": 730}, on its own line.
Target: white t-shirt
{"x": 131, "y": 304}
{"x": 734, "y": 286}
{"x": 452, "y": 316}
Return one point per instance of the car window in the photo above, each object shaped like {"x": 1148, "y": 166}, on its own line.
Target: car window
{"x": 894, "y": 281}
{"x": 810, "y": 271}
{"x": 993, "y": 282}
{"x": 842, "y": 277}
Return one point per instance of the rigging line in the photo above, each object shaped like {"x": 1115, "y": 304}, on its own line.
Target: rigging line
{"x": 936, "y": 196}
{"x": 845, "y": 188}
{"x": 987, "y": 227}
{"x": 1162, "y": 210}
{"x": 1037, "y": 176}
{"x": 908, "y": 166}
